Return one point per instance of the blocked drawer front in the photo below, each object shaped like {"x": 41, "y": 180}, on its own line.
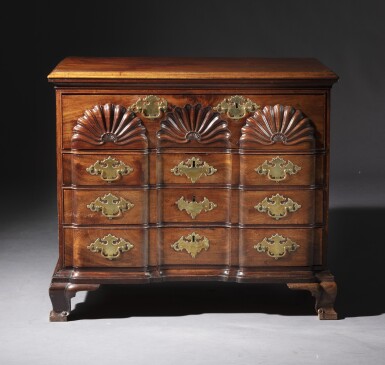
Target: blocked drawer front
{"x": 74, "y": 107}
{"x": 277, "y": 247}
{"x": 279, "y": 207}
{"x": 277, "y": 170}
{"x": 105, "y": 206}
{"x": 194, "y": 246}
{"x": 109, "y": 247}
{"x": 105, "y": 169}
{"x": 194, "y": 205}
{"x": 194, "y": 168}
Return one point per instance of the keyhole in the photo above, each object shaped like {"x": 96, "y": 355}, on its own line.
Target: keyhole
{"x": 236, "y": 105}
{"x": 193, "y": 198}
{"x": 193, "y": 238}
{"x": 193, "y": 163}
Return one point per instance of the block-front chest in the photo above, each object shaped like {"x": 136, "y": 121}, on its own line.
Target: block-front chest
{"x": 192, "y": 169}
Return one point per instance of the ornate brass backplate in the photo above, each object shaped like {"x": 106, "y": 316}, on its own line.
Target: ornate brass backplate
{"x": 236, "y": 106}
{"x": 276, "y": 246}
{"x": 277, "y": 206}
{"x": 193, "y": 208}
{"x": 110, "y": 246}
{"x": 109, "y": 169}
{"x": 110, "y": 206}
{"x": 150, "y": 106}
{"x": 277, "y": 169}
{"x": 192, "y": 243}
{"x": 193, "y": 168}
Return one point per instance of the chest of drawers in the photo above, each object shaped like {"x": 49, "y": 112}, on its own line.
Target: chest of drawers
{"x": 192, "y": 169}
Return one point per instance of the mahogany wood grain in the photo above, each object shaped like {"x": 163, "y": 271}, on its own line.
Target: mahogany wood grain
{"x": 222, "y": 162}
{"x": 93, "y": 98}
{"x": 156, "y": 68}
{"x": 304, "y": 215}
{"x": 78, "y": 255}
{"x": 75, "y": 165}
{"x": 249, "y": 257}
{"x": 249, "y": 176}
{"x": 218, "y": 252}
{"x": 77, "y": 212}
{"x": 169, "y": 211}
{"x": 311, "y": 105}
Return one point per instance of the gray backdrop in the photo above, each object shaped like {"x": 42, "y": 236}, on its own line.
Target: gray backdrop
{"x": 347, "y": 36}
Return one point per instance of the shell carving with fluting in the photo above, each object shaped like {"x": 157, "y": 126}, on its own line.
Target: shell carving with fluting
{"x": 194, "y": 123}
{"x": 109, "y": 123}
{"x": 277, "y": 124}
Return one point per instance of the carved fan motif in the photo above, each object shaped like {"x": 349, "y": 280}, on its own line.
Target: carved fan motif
{"x": 194, "y": 123}
{"x": 109, "y": 123}
{"x": 277, "y": 123}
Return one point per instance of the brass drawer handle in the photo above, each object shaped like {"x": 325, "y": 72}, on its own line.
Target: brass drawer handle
{"x": 150, "y": 106}
{"x": 194, "y": 208}
{"x": 277, "y": 169}
{"x": 276, "y": 246}
{"x": 193, "y": 168}
{"x": 277, "y": 206}
{"x": 110, "y": 206}
{"x": 110, "y": 247}
{"x": 236, "y": 107}
{"x": 109, "y": 169}
{"x": 192, "y": 243}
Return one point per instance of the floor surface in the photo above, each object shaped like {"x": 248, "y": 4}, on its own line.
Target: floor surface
{"x": 182, "y": 324}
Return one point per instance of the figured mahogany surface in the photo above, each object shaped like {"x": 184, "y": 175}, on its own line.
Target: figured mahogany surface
{"x": 156, "y": 68}
{"x": 192, "y": 169}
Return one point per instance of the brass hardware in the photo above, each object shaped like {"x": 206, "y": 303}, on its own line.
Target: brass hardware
{"x": 110, "y": 205}
{"x": 236, "y": 106}
{"x": 109, "y": 169}
{"x": 193, "y": 168}
{"x": 277, "y": 206}
{"x": 277, "y": 169}
{"x": 193, "y": 244}
{"x": 193, "y": 208}
{"x": 110, "y": 246}
{"x": 150, "y": 106}
{"x": 276, "y": 246}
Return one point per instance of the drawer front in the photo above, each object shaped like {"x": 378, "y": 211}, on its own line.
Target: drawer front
{"x": 75, "y": 106}
{"x": 194, "y": 246}
{"x": 278, "y": 207}
{"x": 194, "y": 205}
{"x": 105, "y": 206}
{"x": 277, "y": 247}
{"x": 277, "y": 170}
{"x": 85, "y": 247}
{"x": 197, "y": 168}
{"x": 108, "y": 170}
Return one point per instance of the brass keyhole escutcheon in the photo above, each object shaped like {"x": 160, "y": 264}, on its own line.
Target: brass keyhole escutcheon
{"x": 236, "y": 107}
{"x": 193, "y": 244}
{"x": 194, "y": 208}
{"x": 194, "y": 169}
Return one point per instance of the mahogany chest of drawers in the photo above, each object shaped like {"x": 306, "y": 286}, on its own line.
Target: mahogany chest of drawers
{"x": 192, "y": 169}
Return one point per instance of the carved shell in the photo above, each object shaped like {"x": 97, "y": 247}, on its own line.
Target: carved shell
{"x": 109, "y": 123}
{"x": 194, "y": 123}
{"x": 277, "y": 123}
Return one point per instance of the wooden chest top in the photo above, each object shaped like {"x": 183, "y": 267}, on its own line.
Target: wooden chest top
{"x": 278, "y": 70}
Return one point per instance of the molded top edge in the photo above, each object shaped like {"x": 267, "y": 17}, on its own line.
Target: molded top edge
{"x": 72, "y": 69}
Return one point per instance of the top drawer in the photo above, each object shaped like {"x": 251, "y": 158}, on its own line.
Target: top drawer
{"x": 284, "y": 122}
